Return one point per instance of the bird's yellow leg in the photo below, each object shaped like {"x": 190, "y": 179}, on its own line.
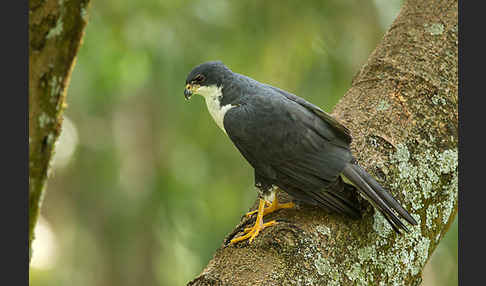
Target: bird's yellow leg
{"x": 252, "y": 232}
{"x": 273, "y": 206}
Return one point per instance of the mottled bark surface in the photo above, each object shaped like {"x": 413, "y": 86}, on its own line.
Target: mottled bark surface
{"x": 55, "y": 33}
{"x": 403, "y": 114}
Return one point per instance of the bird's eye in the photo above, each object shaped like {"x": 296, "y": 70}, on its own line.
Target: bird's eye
{"x": 199, "y": 78}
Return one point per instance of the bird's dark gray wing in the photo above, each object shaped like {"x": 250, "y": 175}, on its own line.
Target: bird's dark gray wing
{"x": 291, "y": 146}
{"x": 340, "y": 130}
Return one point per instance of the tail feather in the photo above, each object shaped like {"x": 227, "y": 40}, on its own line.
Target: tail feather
{"x": 378, "y": 196}
{"x": 385, "y": 195}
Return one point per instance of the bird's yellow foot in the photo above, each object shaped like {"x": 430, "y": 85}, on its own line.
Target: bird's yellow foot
{"x": 252, "y": 232}
{"x": 273, "y": 206}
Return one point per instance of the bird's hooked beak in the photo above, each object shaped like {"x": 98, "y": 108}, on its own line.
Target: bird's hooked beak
{"x": 188, "y": 91}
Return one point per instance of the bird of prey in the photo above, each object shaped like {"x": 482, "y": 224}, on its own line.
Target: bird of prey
{"x": 293, "y": 146}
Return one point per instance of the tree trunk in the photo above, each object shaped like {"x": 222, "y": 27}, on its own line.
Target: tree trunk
{"x": 55, "y": 33}
{"x": 402, "y": 112}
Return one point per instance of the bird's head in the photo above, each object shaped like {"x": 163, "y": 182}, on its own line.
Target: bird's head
{"x": 205, "y": 78}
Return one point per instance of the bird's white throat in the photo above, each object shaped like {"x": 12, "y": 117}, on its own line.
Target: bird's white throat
{"x": 213, "y": 94}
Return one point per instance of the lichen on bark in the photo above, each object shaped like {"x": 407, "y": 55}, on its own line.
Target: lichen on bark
{"x": 402, "y": 112}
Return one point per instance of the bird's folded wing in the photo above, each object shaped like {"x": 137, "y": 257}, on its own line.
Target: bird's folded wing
{"x": 272, "y": 131}
{"x": 292, "y": 147}
{"x": 340, "y": 129}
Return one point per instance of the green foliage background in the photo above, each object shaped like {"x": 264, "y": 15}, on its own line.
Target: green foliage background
{"x": 152, "y": 185}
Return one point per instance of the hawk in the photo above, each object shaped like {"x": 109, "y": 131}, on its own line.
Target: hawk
{"x": 293, "y": 146}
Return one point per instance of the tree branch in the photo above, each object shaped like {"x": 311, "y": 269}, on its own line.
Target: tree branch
{"x": 56, "y": 29}
{"x": 402, "y": 112}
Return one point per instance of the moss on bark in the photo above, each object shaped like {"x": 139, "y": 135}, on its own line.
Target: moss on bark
{"x": 55, "y": 32}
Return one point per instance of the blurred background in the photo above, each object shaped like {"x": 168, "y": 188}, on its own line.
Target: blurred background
{"x": 144, "y": 185}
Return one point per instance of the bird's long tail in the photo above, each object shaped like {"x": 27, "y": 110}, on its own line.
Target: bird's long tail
{"x": 380, "y": 198}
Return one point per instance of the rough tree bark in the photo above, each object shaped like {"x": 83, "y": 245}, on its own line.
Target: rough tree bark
{"x": 56, "y": 29}
{"x": 402, "y": 112}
